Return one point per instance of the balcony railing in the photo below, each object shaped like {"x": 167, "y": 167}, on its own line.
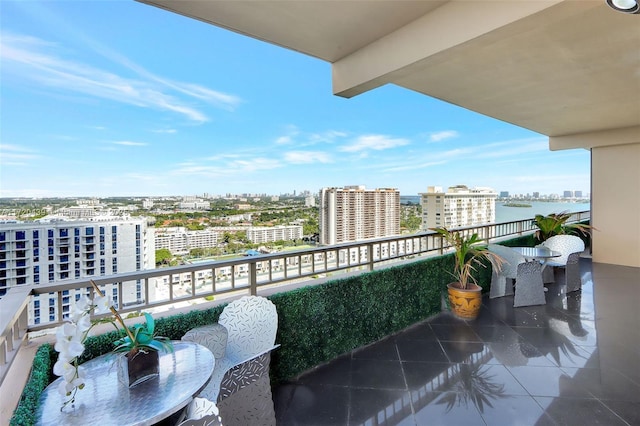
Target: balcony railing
{"x": 157, "y": 288}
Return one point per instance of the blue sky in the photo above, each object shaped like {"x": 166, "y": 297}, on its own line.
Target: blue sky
{"x": 118, "y": 98}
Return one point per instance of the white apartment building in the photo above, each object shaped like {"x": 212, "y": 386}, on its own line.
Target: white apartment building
{"x": 46, "y": 252}
{"x": 459, "y": 206}
{"x": 354, "y": 213}
{"x": 194, "y": 205}
{"x": 265, "y": 234}
{"x": 310, "y": 201}
{"x": 179, "y": 240}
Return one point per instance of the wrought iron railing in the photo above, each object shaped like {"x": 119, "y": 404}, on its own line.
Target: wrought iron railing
{"x": 157, "y": 288}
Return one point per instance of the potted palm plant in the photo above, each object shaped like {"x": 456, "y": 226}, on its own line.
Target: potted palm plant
{"x": 470, "y": 253}
{"x": 555, "y": 224}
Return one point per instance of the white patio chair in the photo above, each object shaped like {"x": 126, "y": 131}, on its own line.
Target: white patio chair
{"x": 570, "y": 248}
{"x": 502, "y": 281}
{"x": 250, "y": 324}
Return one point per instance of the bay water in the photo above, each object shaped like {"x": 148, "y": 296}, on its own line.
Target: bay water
{"x": 508, "y": 214}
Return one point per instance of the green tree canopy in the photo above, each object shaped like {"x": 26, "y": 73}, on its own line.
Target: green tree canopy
{"x": 163, "y": 256}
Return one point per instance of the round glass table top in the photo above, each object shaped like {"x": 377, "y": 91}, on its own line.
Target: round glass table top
{"x": 105, "y": 400}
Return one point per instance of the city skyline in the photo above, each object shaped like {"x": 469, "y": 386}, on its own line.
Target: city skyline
{"x": 89, "y": 110}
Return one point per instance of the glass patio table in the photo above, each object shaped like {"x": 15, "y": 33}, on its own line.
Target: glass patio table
{"x": 183, "y": 373}
{"x": 537, "y": 253}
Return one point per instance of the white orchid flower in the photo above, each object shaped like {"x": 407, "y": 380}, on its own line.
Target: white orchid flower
{"x": 62, "y": 346}
{"x": 65, "y": 388}
{"x": 102, "y": 304}
{"x": 69, "y": 348}
{"x": 78, "y": 382}
{"x": 83, "y": 324}
{"x": 64, "y": 369}
{"x": 80, "y": 307}
{"x": 66, "y": 331}
{"x": 75, "y": 348}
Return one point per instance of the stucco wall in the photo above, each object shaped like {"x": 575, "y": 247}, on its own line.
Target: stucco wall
{"x": 615, "y": 204}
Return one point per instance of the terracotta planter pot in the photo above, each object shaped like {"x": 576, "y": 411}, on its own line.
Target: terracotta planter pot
{"x": 465, "y": 303}
{"x": 137, "y": 367}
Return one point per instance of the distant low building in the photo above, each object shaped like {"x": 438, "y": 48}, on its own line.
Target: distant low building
{"x": 457, "y": 207}
{"x": 310, "y": 201}
{"x": 194, "y": 205}
{"x": 179, "y": 240}
{"x": 265, "y": 234}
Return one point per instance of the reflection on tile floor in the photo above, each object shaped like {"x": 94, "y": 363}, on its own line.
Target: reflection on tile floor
{"x": 573, "y": 361}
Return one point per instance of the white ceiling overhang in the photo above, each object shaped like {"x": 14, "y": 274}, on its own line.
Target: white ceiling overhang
{"x": 561, "y": 67}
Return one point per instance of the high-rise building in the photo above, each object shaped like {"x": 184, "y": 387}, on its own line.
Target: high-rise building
{"x": 568, "y": 194}
{"x": 40, "y": 253}
{"x": 459, "y": 206}
{"x": 354, "y": 213}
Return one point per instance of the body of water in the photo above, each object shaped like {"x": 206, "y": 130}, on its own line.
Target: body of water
{"x": 508, "y": 214}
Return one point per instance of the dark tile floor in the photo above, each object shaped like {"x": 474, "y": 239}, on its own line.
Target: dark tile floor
{"x": 573, "y": 361}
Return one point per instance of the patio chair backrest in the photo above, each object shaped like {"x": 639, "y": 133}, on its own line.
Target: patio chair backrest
{"x": 511, "y": 259}
{"x": 252, "y": 323}
{"x": 565, "y": 244}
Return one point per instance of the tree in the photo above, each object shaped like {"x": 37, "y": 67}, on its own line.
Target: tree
{"x": 310, "y": 226}
{"x": 163, "y": 256}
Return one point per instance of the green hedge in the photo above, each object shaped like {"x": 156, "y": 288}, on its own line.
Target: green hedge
{"x": 39, "y": 378}
{"x": 315, "y": 323}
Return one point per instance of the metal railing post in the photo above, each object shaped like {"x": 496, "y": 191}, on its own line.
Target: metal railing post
{"x": 370, "y": 256}
{"x": 253, "y": 279}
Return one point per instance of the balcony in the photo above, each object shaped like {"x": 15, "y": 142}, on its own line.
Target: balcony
{"x": 425, "y": 361}
{"x": 571, "y": 361}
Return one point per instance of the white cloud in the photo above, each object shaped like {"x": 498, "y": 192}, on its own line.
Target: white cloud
{"x": 374, "y": 142}
{"x": 233, "y": 167}
{"x": 27, "y": 58}
{"x": 417, "y": 166}
{"x": 512, "y": 148}
{"x": 129, "y": 143}
{"x": 219, "y": 157}
{"x": 328, "y": 136}
{"x": 16, "y": 155}
{"x": 307, "y": 157}
{"x": 256, "y": 164}
{"x": 169, "y": 131}
{"x": 442, "y": 135}
{"x": 284, "y": 140}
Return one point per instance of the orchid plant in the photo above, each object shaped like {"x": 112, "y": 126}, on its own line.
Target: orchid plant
{"x": 70, "y": 338}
